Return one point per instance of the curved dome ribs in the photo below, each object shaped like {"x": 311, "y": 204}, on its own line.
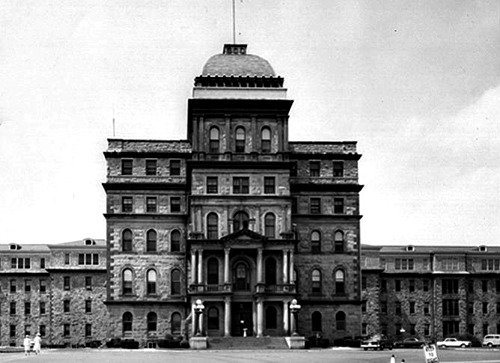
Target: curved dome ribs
{"x": 236, "y": 68}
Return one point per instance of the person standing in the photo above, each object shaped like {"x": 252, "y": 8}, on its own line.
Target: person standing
{"x": 27, "y": 345}
{"x": 38, "y": 344}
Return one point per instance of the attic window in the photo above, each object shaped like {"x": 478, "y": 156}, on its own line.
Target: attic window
{"x": 89, "y": 242}
{"x": 14, "y": 246}
{"x": 410, "y": 248}
{"x": 482, "y": 249}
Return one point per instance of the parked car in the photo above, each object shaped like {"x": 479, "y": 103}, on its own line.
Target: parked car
{"x": 376, "y": 342}
{"x": 491, "y": 340}
{"x": 453, "y": 343}
{"x": 410, "y": 343}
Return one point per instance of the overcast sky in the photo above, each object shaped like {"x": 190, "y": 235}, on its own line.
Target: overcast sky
{"x": 416, "y": 83}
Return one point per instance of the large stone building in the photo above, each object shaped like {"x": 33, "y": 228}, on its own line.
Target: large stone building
{"x": 245, "y": 220}
{"x": 236, "y": 215}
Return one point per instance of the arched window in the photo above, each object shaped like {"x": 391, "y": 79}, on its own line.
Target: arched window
{"x": 127, "y": 240}
{"x": 127, "y": 320}
{"x": 316, "y": 281}
{"x": 151, "y": 282}
{"x": 127, "y": 282}
{"x": 175, "y": 282}
{"x": 214, "y": 140}
{"x": 339, "y": 241}
{"x": 175, "y": 324}
{"x": 241, "y": 277}
{"x": 315, "y": 242}
{"x": 152, "y": 320}
{"x": 240, "y": 221}
{"x": 151, "y": 241}
{"x": 213, "y": 319}
{"x": 175, "y": 241}
{"x": 340, "y": 320}
{"x": 213, "y": 271}
{"x": 270, "y": 225}
{"x": 240, "y": 140}
{"x": 339, "y": 282}
{"x": 212, "y": 226}
{"x": 316, "y": 321}
{"x": 271, "y": 318}
{"x": 270, "y": 271}
{"x": 266, "y": 140}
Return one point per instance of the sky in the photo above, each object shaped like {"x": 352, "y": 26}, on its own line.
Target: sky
{"x": 415, "y": 83}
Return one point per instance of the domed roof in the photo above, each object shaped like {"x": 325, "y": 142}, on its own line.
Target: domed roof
{"x": 236, "y": 62}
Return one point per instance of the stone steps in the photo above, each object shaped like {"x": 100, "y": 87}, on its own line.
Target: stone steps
{"x": 250, "y": 343}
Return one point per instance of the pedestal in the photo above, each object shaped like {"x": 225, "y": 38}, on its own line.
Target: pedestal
{"x": 296, "y": 342}
{"x": 198, "y": 343}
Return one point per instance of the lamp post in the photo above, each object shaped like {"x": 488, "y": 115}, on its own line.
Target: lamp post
{"x": 294, "y": 309}
{"x": 198, "y": 309}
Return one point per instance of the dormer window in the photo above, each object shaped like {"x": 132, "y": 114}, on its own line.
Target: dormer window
{"x": 89, "y": 242}
{"x": 483, "y": 249}
{"x": 410, "y": 248}
{"x": 14, "y": 246}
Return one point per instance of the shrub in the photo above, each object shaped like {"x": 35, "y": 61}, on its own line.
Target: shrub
{"x": 129, "y": 344}
{"x": 114, "y": 343}
{"x": 184, "y": 344}
{"x": 93, "y": 344}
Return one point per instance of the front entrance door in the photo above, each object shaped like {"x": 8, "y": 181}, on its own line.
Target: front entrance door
{"x": 241, "y": 318}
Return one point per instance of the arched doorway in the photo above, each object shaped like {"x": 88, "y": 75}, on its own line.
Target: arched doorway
{"x": 241, "y": 276}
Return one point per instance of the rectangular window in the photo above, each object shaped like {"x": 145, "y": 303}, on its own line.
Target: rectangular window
{"x": 383, "y": 286}
{"x": 426, "y": 308}
{"x": 412, "y": 307}
{"x": 81, "y": 259}
{"x": 383, "y": 328}
{"x": 12, "y": 332}
{"x": 427, "y": 329}
{"x": 42, "y": 307}
{"x": 485, "y": 329}
{"x": 338, "y": 205}
{"x": 412, "y": 329}
{"x": 484, "y": 285}
{"x": 212, "y": 185}
{"x": 127, "y": 167}
{"x": 363, "y": 282}
{"x": 95, "y": 259}
{"x": 20, "y": 263}
{"x": 42, "y": 262}
{"x": 88, "y": 306}
{"x": 43, "y": 286}
{"x": 175, "y": 204}
{"x": 88, "y": 330}
{"x": 151, "y": 204}
{"x": 470, "y": 307}
{"x": 127, "y": 204}
{"x": 12, "y": 308}
{"x": 175, "y": 167}
{"x": 241, "y": 185}
{"x": 397, "y": 285}
{"x": 88, "y": 259}
{"x": 425, "y": 263}
{"x": 66, "y": 258}
{"x": 314, "y": 168}
{"x": 450, "y": 307}
{"x": 315, "y": 205}
{"x": 294, "y": 205}
{"x": 269, "y": 185}
{"x": 383, "y": 307}
{"x": 66, "y": 330}
{"x": 66, "y": 283}
{"x": 450, "y": 264}
{"x": 27, "y": 308}
{"x": 12, "y": 286}
{"x": 363, "y": 307}
{"x": 13, "y": 263}
{"x": 151, "y": 166}
{"x": 485, "y": 308}
{"x": 65, "y": 306}
{"x": 88, "y": 282}
{"x": 27, "y": 285}
{"x": 43, "y": 330}
{"x": 338, "y": 169}
{"x": 398, "y": 308}
{"x": 411, "y": 285}
{"x": 449, "y": 286}
{"x": 403, "y": 264}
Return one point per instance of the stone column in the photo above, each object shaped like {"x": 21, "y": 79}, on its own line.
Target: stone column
{"x": 259, "y": 266}
{"x": 290, "y": 263}
{"x": 193, "y": 320}
{"x": 226, "y": 265}
{"x": 200, "y": 322}
{"x": 285, "y": 266}
{"x": 227, "y": 317}
{"x": 260, "y": 318}
{"x": 286, "y": 315}
{"x": 200, "y": 266}
{"x": 193, "y": 266}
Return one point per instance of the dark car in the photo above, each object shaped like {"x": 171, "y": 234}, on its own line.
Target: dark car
{"x": 377, "y": 342}
{"x": 410, "y": 343}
